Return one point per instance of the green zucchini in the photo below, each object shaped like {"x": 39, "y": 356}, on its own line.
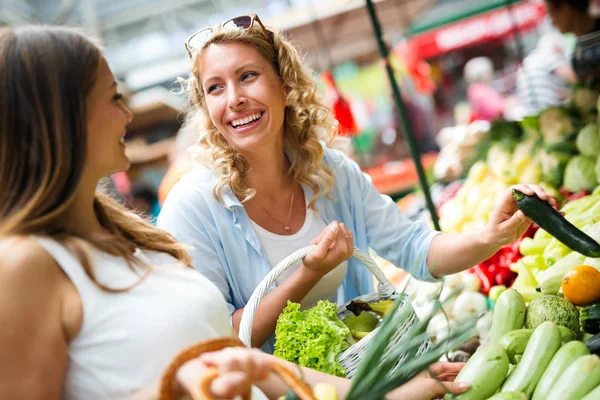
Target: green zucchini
{"x": 509, "y": 396}
{"x": 543, "y": 344}
{"x": 509, "y": 314}
{"x": 580, "y": 378}
{"x": 593, "y": 395}
{"x": 485, "y": 371}
{"x": 550, "y": 220}
{"x": 590, "y": 318}
{"x": 564, "y": 357}
{"x": 515, "y": 342}
{"x": 593, "y": 344}
{"x": 567, "y": 334}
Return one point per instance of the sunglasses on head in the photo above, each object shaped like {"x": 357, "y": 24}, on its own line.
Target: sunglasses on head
{"x": 243, "y": 22}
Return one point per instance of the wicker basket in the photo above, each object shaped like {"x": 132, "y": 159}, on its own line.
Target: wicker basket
{"x": 349, "y": 359}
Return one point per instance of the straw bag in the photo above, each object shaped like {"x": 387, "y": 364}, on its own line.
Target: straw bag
{"x": 349, "y": 359}
{"x": 302, "y": 390}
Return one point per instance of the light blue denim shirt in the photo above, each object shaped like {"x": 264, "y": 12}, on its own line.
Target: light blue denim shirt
{"x": 228, "y": 251}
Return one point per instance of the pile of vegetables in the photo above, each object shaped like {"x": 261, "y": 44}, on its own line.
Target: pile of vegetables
{"x": 546, "y": 259}
{"x": 558, "y": 149}
{"x": 533, "y": 353}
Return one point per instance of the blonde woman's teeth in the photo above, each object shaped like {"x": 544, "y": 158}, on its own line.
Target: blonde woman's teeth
{"x": 246, "y": 120}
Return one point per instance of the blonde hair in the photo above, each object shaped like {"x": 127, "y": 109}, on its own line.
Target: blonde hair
{"x": 307, "y": 122}
{"x": 46, "y": 74}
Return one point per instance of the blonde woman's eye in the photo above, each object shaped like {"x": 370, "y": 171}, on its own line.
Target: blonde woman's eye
{"x": 212, "y": 88}
{"x": 248, "y": 75}
{"x": 118, "y": 96}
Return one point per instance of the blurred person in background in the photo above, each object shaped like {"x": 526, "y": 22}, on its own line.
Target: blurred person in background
{"x": 95, "y": 300}
{"x": 271, "y": 185}
{"x": 485, "y": 101}
{"x": 573, "y": 16}
{"x": 543, "y": 79}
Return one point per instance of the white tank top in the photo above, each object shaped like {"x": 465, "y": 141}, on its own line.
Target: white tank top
{"x": 279, "y": 247}
{"x": 127, "y": 339}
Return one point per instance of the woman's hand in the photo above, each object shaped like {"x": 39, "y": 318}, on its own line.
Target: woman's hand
{"x": 238, "y": 368}
{"x": 425, "y": 387}
{"x": 334, "y": 246}
{"x": 508, "y": 223}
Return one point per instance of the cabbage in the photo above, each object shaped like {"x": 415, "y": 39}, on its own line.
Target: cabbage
{"x": 588, "y": 140}
{"x": 584, "y": 100}
{"x": 553, "y": 166}
{"x": 580, "y": 174}
{"x": 313, "y": 338}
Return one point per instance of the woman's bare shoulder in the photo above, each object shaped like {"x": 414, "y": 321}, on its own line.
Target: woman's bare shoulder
{"x": 23, "y": 257}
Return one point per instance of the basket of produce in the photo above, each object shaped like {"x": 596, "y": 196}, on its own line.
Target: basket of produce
{"x": 345, "y": 333}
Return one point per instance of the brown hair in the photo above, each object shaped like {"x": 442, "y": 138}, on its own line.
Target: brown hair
{"x": 579, "y": 5}
{"x": 307, "y": 124}
{"x": 46, "y": 74}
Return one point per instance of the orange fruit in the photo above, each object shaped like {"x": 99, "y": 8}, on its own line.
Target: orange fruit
{"x": 581, "y": 285}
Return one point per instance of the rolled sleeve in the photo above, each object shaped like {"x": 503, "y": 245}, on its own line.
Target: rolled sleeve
{"x": 396, "y": 238}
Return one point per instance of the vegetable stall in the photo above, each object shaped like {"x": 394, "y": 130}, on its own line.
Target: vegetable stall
{"x": 526, "y": 321}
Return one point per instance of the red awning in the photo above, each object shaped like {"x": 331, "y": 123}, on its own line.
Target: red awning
{"x": 492, "y": 25}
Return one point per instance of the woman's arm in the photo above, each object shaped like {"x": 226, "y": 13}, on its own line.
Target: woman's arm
{"x": 451, "y": 253}
{"x": 334, "y": 246}
{"x": 33, "y": 344}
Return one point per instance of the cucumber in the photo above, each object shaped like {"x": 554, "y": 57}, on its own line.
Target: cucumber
{"x": 564, "y": 357}
{"x": 550, "y": 220}
{"x": 509, "y": 396}
{"x": 514, "y": 343}
{"x": 509, "y": 314}
{"x": 543, "y": 344}
{"x": 580, "y": 378}
{"x": 485, "y": 371}
{"x": 593, "y": 395}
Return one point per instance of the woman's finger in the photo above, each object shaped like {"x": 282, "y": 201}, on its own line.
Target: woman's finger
{"x": 327, "y": 241}
{"x": 452, "y": 387}
{"x": 230, "y": 385}
{"x": 446, "y": 367}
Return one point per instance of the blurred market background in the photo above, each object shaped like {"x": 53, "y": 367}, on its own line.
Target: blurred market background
{"x": 430, "y": 41}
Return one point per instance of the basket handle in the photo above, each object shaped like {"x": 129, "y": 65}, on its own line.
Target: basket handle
{"x": 384, "y": 287}
{"x": 302, "y": 390}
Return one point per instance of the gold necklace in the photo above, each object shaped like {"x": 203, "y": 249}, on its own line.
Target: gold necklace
{"x": 286, "y": 226}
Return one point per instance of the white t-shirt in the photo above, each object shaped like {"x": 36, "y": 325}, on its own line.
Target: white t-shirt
{"x": 279, "y": 247}
{"x": 128, "y": 339}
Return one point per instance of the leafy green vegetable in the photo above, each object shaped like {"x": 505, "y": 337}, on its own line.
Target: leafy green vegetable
{"x": 502, "y": 130}
{"x": 580, "y": 174}
{"x": 313, "y": 338}
{"x": 588, "y": 140}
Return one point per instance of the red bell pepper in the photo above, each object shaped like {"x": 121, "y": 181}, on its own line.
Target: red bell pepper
{"x": 484, "y": 276}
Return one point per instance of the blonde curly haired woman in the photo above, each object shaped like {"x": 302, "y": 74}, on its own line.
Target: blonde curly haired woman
{"x": 273, "y": 185}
